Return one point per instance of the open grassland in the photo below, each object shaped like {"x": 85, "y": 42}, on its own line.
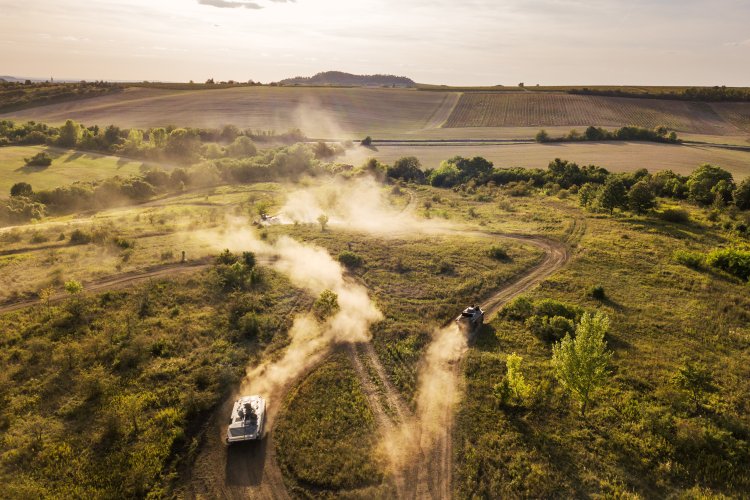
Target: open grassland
{"x": 153, "y": 234}
{"x": 644, "y": 436}
{"x": 104, "y": 395}
{"x": 139, "y": 373}
{"x": 614, "y": 156}
{"x": 533, "y": 109}
{"x": 326, "y": 437}
{"x": 67, "y": 166}
{"x": 318, "y": 112}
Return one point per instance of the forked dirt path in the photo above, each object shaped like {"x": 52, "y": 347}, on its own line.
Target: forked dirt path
{"x": 251, "y": 470}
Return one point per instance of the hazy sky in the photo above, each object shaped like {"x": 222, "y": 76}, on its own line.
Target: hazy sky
{"x": 658, "y": 42}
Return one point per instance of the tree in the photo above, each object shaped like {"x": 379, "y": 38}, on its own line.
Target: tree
{"x": 697, "y": 379}
{"x": 640, "y": 198}
{"x": 323, "y": 221}
{"x": 407, "y": 168}
{"x": 21, "y": 189}
{"x": 587, "y": 194}
{"x": 41, "y": 159}
{"x": 70, "y": 134}
{"x": 367, "y": 141}
{"x": 326, "y": 305}
{"x": 542, "y": 136}
{"x": 741, "y": 195}
{"x": 613, "y": 194}
{"x": 514, "y": 384}
{"x": 242, "y": 146}
{"x": 45, "y": 297}
{"x": 704, "y": 182}
{"x": 73, "y": 287}
{"x": 580, "y": 363}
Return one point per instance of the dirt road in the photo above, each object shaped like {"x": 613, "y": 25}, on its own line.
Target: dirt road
{"x": 118, "y": 281}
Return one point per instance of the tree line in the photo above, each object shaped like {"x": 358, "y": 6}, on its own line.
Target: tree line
{"x": 703, "y": 94}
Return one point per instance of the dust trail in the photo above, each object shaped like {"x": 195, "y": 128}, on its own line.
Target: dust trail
{"x": 358, "y": 204}
{"x": 313, "y": 269}
{"x": 419, "y": 449}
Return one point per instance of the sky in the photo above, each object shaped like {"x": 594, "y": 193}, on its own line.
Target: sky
{"x": 467, "y": 42}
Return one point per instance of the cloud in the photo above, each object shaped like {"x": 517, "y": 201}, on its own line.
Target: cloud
{"x": 230, "y": 4}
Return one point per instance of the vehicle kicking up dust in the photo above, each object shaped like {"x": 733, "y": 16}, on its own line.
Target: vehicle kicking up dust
{"x": 247, "y": 420}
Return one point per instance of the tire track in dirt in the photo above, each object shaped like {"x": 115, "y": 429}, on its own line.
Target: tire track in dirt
{"x": 117, "y": 282}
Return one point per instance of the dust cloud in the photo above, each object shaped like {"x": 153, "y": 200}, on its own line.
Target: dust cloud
{"x": 356, "y": 204}
{"x": 417, "y": 440}
{"x": 313, "y": 269}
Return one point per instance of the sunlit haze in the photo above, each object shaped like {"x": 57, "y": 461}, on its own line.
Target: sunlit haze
{"x": 477, "y": 42}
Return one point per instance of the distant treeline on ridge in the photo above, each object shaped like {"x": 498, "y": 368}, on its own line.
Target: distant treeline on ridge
{"x": 341, "y": 78}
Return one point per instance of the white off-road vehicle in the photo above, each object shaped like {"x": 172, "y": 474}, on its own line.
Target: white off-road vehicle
{"x": 247, "y": 420}
{"x": 472, "y": 317}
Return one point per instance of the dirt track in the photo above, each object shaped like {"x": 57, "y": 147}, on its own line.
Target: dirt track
{"x": 118, "y": 281}
{"x": 251, "y": 470}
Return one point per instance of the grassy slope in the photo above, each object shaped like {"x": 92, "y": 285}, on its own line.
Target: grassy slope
{"x": 67, "y": 167}
{"x": 105, "y": 406}
{"x": 642, "y": 436}
{"x": 615, "y": 156}
{"x": 160, "y": 231}
{"x": 319, "y": 112}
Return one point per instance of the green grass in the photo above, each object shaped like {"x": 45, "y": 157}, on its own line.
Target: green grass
{"x": 103, "y": 396}
{"x": 326, "y": 436}
{"x": 67, "y": 167}
{"x": 642, "y": 437}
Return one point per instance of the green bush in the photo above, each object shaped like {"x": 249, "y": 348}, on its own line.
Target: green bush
{"x": 550, "y": 329}
{"x": 597, "y": 292}
{"x": 687, "y": 258}
{"x": 78, "y": 237}
{"x": 551, "y": 308}
{"x": 39, "y": 160}
{"x": 677, "y": 215}
{"x": 498, "y": 253}
{"x": 731, "y": 260}
{"x": 350, "y": 259}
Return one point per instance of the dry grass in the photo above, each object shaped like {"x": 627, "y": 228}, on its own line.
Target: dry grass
{"x": 532, "y": 109}
{"x": 318, "y": 112}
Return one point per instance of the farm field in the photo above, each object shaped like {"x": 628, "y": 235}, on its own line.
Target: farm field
{"x": 615, "y": 156}
{"x": 542, "y": 110}
{"x": 67, "y": 166}
{"x": 318, "y": 112}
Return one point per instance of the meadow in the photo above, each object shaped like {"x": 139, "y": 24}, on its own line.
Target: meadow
{"x": 67, "y": 166}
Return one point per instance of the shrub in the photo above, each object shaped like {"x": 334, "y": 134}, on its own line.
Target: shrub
{"x": 597, "y": 292}
{"x": 41, "y": 159}
{"x": 350, "y": 259}
{"x": 519, "y": 308}
{"x": 551, "y": 308}
{"x": 78, "y": 237}
{"x": 677, "y": 215}
{"x": 249, "y": 325}
{"x": 550, "y": 328}
{"x": 21, "y": 189}
{"x": 498, "y": 253}
{"x": 731, "y": 260}
{"x": 687, "y": 258}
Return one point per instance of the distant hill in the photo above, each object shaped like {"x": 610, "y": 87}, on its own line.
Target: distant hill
{"x": 341, "y": 78}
